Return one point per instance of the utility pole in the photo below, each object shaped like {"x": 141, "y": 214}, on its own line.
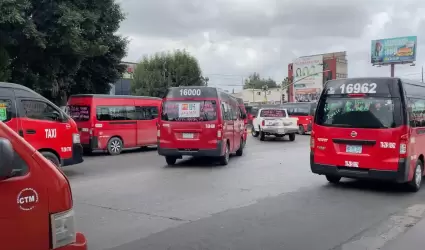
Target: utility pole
{"x": 422, "y": 73}
{"x": 265, "y": 89}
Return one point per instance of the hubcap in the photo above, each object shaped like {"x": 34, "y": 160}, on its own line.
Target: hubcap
{"x": 115, "y": 146}
{"x": 418, "y": 176}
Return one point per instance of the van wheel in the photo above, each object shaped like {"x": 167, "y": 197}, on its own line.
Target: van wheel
{"x": 415, "y": 183}
{"x": 333, "y": 178}
{"x": 239, "y": 152}
{"x": 262, "y": 136}
{"x": 170, "y": 160}
{"x": 254, "y": 133}
{"x": 115, "y": 146}
{"x": 224, "y": 160}
{"x": 301, "y": 130}
{"x": 292, "y": 137}
{"x": 52, "y": 158}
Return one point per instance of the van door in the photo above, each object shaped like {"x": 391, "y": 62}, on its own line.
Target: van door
{"x": 229, "y": 124}
{"x": 147, "y": 117}
{"x": 24, "y": 217}
{"x": 41, "y": 128}
{"x": 8, "y": 109}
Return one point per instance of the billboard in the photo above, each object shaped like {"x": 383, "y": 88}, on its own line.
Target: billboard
{"x": 394, "y": 50}
{"x": 307, "y": 78}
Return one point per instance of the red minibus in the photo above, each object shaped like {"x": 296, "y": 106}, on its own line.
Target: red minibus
{"x": 41, "y": 123}
{"x": 36, "y": 199}
{"x": 304, "y": 111}
{"x": 370, "y": 128}
{"x": 245, "y": 114}
{"x": 200, "y": 121}
{"x": 112, "y": 123}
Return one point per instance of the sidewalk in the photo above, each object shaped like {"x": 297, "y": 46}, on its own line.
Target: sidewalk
{"x": 411, "y": 240}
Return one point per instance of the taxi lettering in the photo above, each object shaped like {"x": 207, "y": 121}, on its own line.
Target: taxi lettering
{"x": 50, "y": 133}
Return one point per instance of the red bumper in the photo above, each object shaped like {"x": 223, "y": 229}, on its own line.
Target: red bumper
{"x": 80, "y": 243}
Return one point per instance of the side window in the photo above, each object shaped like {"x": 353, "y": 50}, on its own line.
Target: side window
{"x": 39, "y": 110}
{"x": 20, "y": 166}
{"x": 226, "y": 111}
{"x": 131, "y": 113}
{"x": 115, "y": 113}
{"x": 417, "y": 113}
{"x": 6, "y": 111}
{"x": 146, "y": 113}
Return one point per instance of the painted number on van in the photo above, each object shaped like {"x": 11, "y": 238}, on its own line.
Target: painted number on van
{"x": 353, "y": 164}
{"x": 385, "y": 144}
{"x": 209, "y": 125}
{"x": 356, "y": 88}
{"x": 27, "y": 199}
{"x": 190, "y": 92}
{"x": 50, "y": 133}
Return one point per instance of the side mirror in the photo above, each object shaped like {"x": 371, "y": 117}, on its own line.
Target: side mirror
{"x": 6, "y": 156}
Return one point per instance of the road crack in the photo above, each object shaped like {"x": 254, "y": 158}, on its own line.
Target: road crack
{"x": 135, "y": 212}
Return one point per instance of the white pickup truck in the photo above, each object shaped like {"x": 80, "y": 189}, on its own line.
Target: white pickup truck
{"x": 274, "y": 121}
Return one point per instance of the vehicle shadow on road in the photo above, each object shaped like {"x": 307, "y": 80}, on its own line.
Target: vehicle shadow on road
{"x": 276, "y": 139}
{"x": 195, "y": 162}
{"x": 371, "y": 186}
{"x": 126, "y": 151}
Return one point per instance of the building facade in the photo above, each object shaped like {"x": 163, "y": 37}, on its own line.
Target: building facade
{"x": 123, "y": 85}
{"x": 335, "y": 64}
{"x": 273, "y": 95}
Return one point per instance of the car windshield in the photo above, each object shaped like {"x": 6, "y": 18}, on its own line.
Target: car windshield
{"x": 359, "y": 112}
{"x": 273, "y": 113}
{"x": 78, "y": 113}
{"x": 189, "y": 111}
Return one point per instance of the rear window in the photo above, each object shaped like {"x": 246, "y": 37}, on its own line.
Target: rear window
{"x": 78, "y": 113}
{"x": 300, "y": 109}
{"x": 272, "y": 113}
{"x": 5, "y": 110}
{"x": 189, "y": 111}
{"x": 370, "y": 112}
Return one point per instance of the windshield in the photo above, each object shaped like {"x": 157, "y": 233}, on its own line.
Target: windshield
{"x": 359, "y": 112}
{"x": 189, "y": 111}
{"x": 300, "y": 109}
{"x": 273, "y": 113}
{"x": 78, "y": 113}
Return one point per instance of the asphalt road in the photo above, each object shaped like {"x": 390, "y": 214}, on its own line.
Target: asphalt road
{"x": 265, "y": 200}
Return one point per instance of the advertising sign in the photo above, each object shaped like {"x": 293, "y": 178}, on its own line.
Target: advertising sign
{"x": 394, "y": 50}
{"x": 308, "y": 78}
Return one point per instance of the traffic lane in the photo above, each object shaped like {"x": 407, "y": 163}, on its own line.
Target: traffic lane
{"x": 353, "y": 215}
{"x": 138, "y": 195}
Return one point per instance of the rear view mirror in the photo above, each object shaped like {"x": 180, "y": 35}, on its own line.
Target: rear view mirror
{"x": 6, "y": 156}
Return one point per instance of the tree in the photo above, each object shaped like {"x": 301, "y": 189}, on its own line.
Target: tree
{"x": 58, "y": 47}
{"x": 155, "y": 74}
{"x": 254, "y": 81}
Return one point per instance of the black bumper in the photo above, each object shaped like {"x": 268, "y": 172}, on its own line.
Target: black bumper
{"x": 77, "y": 156}
{"x": 92, "y": 145}
{"x": 400, "y": 176}
{"x": 178, "y": 152}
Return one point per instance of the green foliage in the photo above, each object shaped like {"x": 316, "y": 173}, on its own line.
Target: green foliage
{"x": 60, "y": 47}
{"x": 254, "y": 81}
{"x": 155, "y": 74}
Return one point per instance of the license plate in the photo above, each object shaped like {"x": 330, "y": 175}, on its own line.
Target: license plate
{"x": 355, "y": 149}
{"x": 187, "y": 135}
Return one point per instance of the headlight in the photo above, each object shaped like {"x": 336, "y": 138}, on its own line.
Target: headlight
{"x": 76, "y": 138}
{"x": 62, "y": 228}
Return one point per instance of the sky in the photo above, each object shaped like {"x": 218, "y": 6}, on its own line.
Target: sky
{"x": 233, "y": 38}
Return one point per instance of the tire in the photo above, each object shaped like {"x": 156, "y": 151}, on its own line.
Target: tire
{"x": 333, "y": 179}
{"x": 262, "y": 136}
{"x": 415, "y": 184}
{"x": 115, "y": 146}
{"x": 292, "y": 137}
{"x": 239, "y": 152}
{"x": 52, "y": 158}
{"x": 254, "y": 133}
{"x": 224, "y": 159}
{"x": 301, "y": 130}
{"x": 170, "y": 160}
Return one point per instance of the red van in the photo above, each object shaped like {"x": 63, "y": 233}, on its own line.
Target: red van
{"x": 36, "y": 200}
{"x": 200, "y": 121}
{"x": 41, "y": 123}
{"x": 114, "y": 123}
{"x": 370, "y": 128}
{"x": 304, "y": 111}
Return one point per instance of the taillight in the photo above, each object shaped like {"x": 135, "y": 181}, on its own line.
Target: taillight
{"x": 219, "y": 131}
{"x": 263, "y": 123}
{"x": 91, "y": 131}
{"x": 404, "y": 139}
{"x": 158, "y": 133}
{"x": 312, "y": 140}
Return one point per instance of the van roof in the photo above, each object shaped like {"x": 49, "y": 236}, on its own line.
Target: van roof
{"x": 21, "y": 87}
{"x": 116, "y": 96}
